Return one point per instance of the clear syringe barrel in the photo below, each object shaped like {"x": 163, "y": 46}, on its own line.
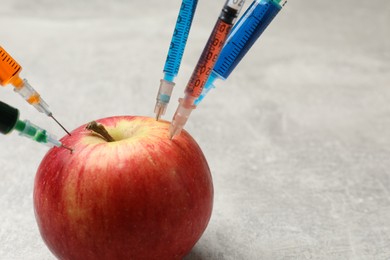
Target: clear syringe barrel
{"x": 244, "y": 34}
{"x": 207, "y": 87}
{"x": 213, "y": 47}
{"x": 175, "y": 55}
{"x": 9, "y": 74}
{"x": 32, "y": 97}
{"x": 31, "y": 131}
{"x": 9, "y": 121}
{"x": 242, "y": 37}
{"x": 179, "y": 39}
{"x": 205, "y": 64}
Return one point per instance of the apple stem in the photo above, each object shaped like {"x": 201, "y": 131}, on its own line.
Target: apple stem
{"x": 100, "y": 130}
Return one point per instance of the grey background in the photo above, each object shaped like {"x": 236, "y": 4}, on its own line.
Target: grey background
{"x": 297, "y": 138}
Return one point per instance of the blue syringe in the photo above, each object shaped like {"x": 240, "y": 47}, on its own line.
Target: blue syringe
{"x": 242, "y": 37}
{"x": 175, "y": 54}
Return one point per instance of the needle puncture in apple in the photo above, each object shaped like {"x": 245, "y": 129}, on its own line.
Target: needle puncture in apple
{"x": 100, "y": 130}
{"x": 68, "y": 148}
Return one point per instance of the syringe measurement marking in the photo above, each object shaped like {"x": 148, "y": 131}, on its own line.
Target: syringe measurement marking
{"x": 205, "y": 65}
{"x": 13, "y": 64}
{"x": 9, "y": 74}
{"x": 175, "y": 54}
{"x": 172, "y": 65}
{"x": 208, "y": 59}
{"x": 243, "y": 41}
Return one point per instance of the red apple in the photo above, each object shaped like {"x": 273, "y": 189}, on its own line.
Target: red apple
{"x": 142, "y": 196}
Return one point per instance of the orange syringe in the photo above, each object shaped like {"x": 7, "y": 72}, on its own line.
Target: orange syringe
{"x": 205, "y": 64}
{"x": 9, "y": 74}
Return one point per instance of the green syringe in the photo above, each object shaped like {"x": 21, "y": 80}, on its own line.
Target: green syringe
{"x": 9, "y": 121}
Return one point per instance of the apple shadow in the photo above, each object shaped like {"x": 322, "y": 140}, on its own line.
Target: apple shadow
{"x": 195, "y": 254}
{"x": 203, "y": 253}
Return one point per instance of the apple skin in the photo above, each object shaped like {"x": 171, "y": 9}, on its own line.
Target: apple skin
{"x": 143, "y": 196}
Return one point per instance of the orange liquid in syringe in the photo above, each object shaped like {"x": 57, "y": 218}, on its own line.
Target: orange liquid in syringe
{"x": 208, "y": 58}
{"x": 9, "y": 70}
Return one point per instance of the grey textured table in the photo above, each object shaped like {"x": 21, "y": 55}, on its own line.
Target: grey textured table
{"x": 297, "y": 139}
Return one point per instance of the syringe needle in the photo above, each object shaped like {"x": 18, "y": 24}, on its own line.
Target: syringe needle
{"x": 159, "y": 112}
{"x": 66, "y": 147}
{"x": 175, "y": 55}
{"x": 10, "y": 71}
{"x": 51, "y": 115}
{"x": 9, "y": 121}
{"x": 205, "y": 64}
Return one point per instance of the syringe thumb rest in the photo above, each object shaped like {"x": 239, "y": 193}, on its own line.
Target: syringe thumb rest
{"x": 8, "y": 118}
{"x": 163, "y": 97}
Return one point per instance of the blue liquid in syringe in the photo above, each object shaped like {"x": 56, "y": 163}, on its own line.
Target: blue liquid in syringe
{"x": 179, "y": 39}
{"x": 175, "y": 55}
{"x": 242, "y": 37}
{"x": 241, "y": 41}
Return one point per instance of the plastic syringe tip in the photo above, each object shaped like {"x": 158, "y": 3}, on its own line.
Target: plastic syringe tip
{"x": 174, "y": 129}
{"x": 33, "y": 97}
{"x": 51, "y": 140}
{"x": 208, "y": 86}
{"x": 160, "y": 109}
{"x": 51, "y": 115}
{"x": 163, "y": 97}
{"x": 181, "y": 116}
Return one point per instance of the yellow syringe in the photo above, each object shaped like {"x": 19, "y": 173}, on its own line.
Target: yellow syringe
{"x": 9, "y": 74}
